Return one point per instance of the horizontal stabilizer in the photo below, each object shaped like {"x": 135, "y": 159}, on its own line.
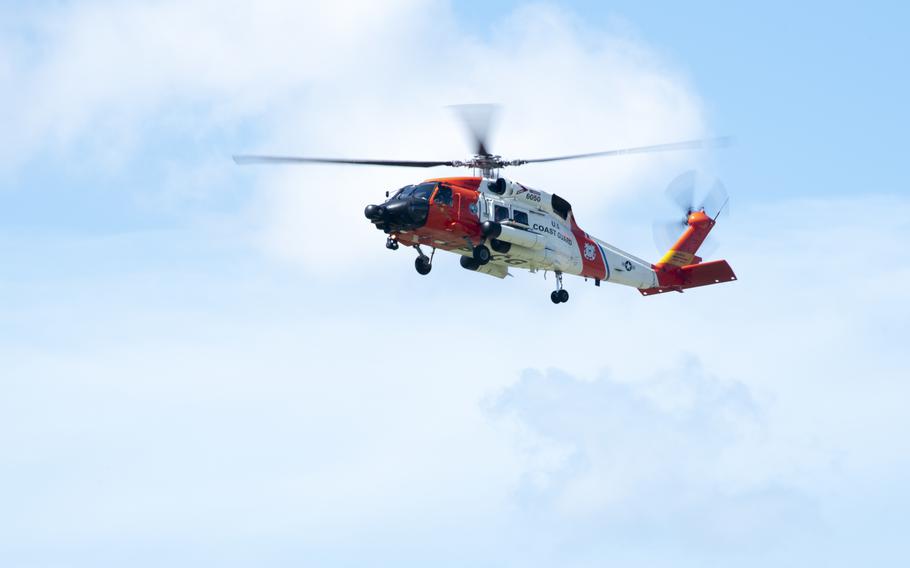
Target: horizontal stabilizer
{"x": 693, "y": 276}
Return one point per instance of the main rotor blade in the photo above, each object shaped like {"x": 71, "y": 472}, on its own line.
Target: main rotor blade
{"x": 477, "y": 120}
{"x": 703, "y": 143}
{"x": 256, "y": 159}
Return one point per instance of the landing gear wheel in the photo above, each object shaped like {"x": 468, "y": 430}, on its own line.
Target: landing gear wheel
{"x": 481, "y": 254}
{"x": 501, "y": 247}
{"x": 559, "y": 295}
{"x": 423, "y": 265}
{"x": 469, "y": 263}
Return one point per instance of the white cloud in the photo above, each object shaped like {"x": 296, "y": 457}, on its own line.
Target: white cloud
{"x": 153, "y": 391}
{"x": 371, "y": 81}
{"x": 649, "y": 447}
{"x": 256, "y": 409}
{"x": 97, "y": 64}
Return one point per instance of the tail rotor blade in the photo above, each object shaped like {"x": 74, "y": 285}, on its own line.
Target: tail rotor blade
{"x": 682, "y": 191}
{"x": 717, "y": 199}
{"x": 709, "y": 246}
{"x": 666, "y": 233}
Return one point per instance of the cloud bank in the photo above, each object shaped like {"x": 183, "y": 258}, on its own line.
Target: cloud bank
{"x": 174, "y": 88}
{"x": 172, "y": 395}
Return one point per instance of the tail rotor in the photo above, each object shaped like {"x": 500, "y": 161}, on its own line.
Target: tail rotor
{"x": 682, "y": 193}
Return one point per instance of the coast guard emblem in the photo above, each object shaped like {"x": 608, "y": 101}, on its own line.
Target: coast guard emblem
{"x": 590, "y": 251}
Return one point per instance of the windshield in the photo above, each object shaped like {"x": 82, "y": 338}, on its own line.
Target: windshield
{"x": 420, "y": 191}
{"x": 401, "y": 191}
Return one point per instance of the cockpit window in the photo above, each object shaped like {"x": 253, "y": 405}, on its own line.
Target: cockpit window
{"x": 500, "y": 213}
{"x": 420, "y": 191}
{"x": 401, "y": 191}
{"x": 519, "y": 216}
{"x": 443, "y": 196}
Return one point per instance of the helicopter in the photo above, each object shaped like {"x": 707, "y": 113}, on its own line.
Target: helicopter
{"x": 496, "y": 224}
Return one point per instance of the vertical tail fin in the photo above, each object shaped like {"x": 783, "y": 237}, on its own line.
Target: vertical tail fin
{"x": 683, "y": 252}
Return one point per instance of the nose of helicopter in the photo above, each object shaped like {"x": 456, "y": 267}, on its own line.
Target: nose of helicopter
{"x": 398, "y": 214}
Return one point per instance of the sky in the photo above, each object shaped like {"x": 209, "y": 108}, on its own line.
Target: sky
{"x": 207, "y": 364}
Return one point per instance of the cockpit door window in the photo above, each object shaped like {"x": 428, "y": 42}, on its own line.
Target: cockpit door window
{"x": 500, "y": 213}
{"x": 443, "y": 196}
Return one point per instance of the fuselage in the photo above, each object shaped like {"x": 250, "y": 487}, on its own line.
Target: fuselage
{"x": 524, "y": 228}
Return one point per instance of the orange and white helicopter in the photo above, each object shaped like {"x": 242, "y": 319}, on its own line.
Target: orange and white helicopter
{"x": 496, "y": 224}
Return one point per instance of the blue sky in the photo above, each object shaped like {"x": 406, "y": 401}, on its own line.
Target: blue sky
{"x": 207, "y": 364}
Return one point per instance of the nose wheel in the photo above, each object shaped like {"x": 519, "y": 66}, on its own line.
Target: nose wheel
{"x": 423, "y": 263}
{"x": 559, "y": 295}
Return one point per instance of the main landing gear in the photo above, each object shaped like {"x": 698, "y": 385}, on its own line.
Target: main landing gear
{"x": 559, "y": 295}
{"x": 423, "y": 263}
{"x": 481, "y": 254}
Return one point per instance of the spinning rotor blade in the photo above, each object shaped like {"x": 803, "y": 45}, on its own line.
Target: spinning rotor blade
{"x": 252, "y": 159}
{"x": 666, "y": 233}
{"x": 477, "y": 120}
{"x": 681, "y": 191}
{"x": 687, "y": 145}
{"x": 717, "y": 200}
{"x": 709, "y": 246}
